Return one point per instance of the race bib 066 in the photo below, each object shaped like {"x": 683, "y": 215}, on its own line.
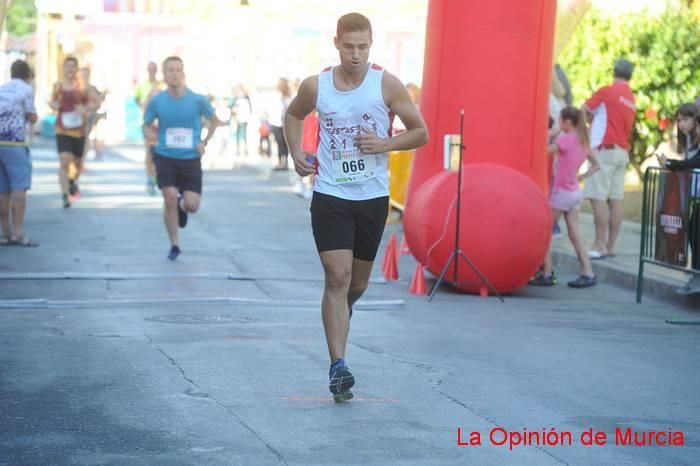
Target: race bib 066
{"x": 352, "y": 165}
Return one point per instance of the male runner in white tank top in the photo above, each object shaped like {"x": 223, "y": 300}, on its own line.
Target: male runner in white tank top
{"x": 355, "y": 102}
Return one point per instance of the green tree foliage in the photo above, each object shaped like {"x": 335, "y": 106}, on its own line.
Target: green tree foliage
{"x": 666, "y": 52}
{"x": 21, "y": 17}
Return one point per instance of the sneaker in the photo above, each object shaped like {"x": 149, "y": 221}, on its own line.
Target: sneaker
{"x": 540, "y": 273}
{"x": 692, "y": 287}
{"x": 583, "y": 281}
{"x": 341, "y": 381}
{"x": 181, "y": 214}
{"x": 73, "y": 189}
{"x": 151, "y": 186}
{"x": 66, "y": 201}
{"x": 540, "y": 279}
{"x": 174, "y": 252}
{"x": 556, "y": 232}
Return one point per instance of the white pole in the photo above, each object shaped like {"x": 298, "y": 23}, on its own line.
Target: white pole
{"x": 3, "y": 10}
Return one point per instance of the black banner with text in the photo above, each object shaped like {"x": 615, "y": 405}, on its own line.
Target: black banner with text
{"x": 672, "y": 218}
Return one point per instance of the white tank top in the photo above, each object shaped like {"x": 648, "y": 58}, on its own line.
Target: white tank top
{"x": 343, "y": 171}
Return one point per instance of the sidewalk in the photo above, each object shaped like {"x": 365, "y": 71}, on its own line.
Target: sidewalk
{"x": 111, "y": 354}
{"x": 622, "y": 270}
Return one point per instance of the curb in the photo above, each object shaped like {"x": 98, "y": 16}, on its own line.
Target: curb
{"x": 656, "y": 287}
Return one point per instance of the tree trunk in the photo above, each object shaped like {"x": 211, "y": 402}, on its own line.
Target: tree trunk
{"x": 3, "y": 10}
{"x": 637, "y": 167}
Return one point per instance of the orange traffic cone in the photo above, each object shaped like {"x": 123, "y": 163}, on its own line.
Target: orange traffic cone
{"x": 387, "y": 255}
{"x": 404, "y": 246}
{"x": 385, "y": 260}
{"x": 390, "y": 267}
{"x": 392, "y": 241}
{"x": 418, "y": 283}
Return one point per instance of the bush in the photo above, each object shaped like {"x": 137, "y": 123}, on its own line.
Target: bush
{"x": 666, "y": 52}
{"x": 21, "y": 18}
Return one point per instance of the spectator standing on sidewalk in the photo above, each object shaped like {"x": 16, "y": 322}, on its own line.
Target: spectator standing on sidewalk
{"x": 571, "y": 148}
{"x": 687, "y": 130}
{"x": 689, "y": 126}
{"x": 278, "y": 108}
{"x": 241, "y": 110}
{"x": 16, "y": 110}
{"x": 613, "y": 110}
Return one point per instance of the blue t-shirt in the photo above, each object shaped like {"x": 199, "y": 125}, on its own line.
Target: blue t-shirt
{"x": 179, "y": 122}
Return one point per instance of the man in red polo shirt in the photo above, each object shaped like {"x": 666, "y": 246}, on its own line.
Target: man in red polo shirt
{"x": 613, "y": 111}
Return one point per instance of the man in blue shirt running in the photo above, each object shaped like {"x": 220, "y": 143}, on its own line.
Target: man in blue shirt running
{"x": 178, "y": 146}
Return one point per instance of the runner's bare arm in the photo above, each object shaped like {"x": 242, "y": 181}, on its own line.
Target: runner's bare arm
{"x": 303, "y": 104}
{"x": 212, "y": 124}
{"x": 150, "y": 133}
{"x": 399, "y": 102}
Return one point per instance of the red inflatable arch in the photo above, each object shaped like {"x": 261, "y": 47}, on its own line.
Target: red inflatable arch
{"x": 494, "y": 60}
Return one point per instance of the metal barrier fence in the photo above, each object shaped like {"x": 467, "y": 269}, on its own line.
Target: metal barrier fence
{"x": 670, "y": 222}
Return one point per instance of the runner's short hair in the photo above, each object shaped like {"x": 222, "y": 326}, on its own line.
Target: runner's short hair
{"x": 172, "y": 58}
{"x": 353, "y": 22}
{"x": 20, "y": 70}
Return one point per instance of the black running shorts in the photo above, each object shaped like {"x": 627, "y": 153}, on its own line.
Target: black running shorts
{"x": 355, "y": 225}
{"x": 185, "y": 175}
{"x": 75, "y": 146}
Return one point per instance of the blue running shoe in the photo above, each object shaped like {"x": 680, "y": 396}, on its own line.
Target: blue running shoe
{"x": 174, "y": 252}
{"x": 341, "y": 381}
{"x": 556, "y": 231}
{"x": 151, "y": 185}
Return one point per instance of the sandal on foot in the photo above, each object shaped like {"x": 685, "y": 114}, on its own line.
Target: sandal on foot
{"x": 23, "y": 241}
{"x": 5, "y": 241}
{"x": 596, "y": 255}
